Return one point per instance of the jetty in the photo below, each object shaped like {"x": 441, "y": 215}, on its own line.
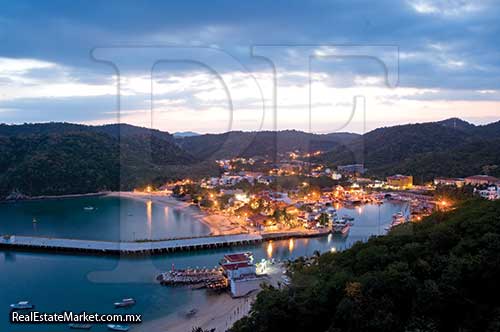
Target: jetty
{"x": 35, "y": 243}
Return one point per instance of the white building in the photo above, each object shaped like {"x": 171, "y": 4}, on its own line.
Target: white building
{"x": 245, "y": 284}
{"x": 492, "y": 193}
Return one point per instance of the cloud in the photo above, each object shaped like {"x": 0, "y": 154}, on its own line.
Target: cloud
{"x": 448, "y": 52}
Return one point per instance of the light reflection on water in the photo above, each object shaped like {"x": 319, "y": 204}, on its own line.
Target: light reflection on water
{"x": 291, "y": 244}
{"x": 270, "y": 249}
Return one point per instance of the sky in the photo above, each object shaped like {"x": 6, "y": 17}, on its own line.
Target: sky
{"x": 214, "y": 66}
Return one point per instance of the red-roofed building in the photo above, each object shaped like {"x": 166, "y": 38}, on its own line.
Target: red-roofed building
{"x": 237, "y": 258}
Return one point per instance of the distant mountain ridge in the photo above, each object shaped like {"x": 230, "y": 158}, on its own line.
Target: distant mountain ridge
{"x": 181, "y": 134}
{"x": 262, "y": 143}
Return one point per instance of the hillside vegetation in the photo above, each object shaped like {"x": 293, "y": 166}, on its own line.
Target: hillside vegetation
{"x": 57, "y": 159}
{"x": 439, "y": 275}
{"x": 452, "y": 148}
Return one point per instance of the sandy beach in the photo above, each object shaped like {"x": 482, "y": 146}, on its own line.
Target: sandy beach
{"x": 219, "y": 224}
{"x": 219, "y": 312}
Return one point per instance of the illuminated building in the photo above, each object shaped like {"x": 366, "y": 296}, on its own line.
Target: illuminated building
{"x": 400, "y": 181}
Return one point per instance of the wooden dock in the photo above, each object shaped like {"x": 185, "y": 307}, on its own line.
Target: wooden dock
{"x": 33, "y": 243}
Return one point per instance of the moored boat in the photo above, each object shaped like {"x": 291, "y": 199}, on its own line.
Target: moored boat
{"x": 341, "y": 226}
{"x": 397, "y": 219}
{"x": 125, "y": 303}
{"x": 117, "y": 327}
{"x": 22, "y": 305}
{"x": 347, "y": 217}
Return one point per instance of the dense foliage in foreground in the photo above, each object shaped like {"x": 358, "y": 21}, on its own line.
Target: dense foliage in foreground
{"x": 439, "y": 275}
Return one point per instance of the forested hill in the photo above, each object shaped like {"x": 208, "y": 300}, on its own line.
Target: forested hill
{"x": 60, "y": 158}
{"x": 447, "y": 148}
{"x": 261, "y": 143}
{"x": 439, "y": 275}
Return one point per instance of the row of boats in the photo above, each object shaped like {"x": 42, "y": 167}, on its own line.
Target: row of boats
{"x": 124, "y": 303}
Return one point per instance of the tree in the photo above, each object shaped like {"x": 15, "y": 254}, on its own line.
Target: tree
{"x": 199, "y": 329}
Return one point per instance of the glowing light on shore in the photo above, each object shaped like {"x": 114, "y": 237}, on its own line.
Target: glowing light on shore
{"x": 333, "y": 249}
{"x": 270, "y": 249}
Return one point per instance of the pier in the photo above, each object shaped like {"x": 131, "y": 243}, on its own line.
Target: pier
{"x": 34, "y": 243}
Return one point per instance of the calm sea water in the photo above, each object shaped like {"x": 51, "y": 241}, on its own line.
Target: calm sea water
{"x": 112, "y": 218}
{"x": 58, "y": 282}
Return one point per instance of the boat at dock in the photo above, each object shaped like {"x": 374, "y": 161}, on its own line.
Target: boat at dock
{"x": 347, "y": 217}
{"x": 397, "y": 219}
{"x": 80, "y": 326}
{"x": 191, "y": 277}
{"x": 22, "y": 305}
{"x": 116, "y": 327}
{"x": 125, "y": 303}
{"x": 341, "y": 226}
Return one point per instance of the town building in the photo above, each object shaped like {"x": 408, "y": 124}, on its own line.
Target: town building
{"x": 492, "y": 193}
{"x": 352, "y": 169}
{"x": 478, "y": 180}
{"x": 241, "y": 273}
{"x": 457, "y": 182}
{"x": 400, "y": 181}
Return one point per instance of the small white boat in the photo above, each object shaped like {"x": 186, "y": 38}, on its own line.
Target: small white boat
{"x": 116, "y": 327}
{"x": 22, "y": 305}
{"x": 80, "y": 326}
{"x": 125, "y": 303}
{"x": 89, "y": 208}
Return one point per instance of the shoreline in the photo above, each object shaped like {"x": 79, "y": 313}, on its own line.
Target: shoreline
{"x": 218, "y": 224}
{"x": 55, "y": 197}
{"x": 219, "y": 311}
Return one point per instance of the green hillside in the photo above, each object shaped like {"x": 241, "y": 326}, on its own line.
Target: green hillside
{"x": 439, "y": 275}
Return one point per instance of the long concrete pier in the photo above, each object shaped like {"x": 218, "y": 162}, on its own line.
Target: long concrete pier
{"x": 34, "y": 243}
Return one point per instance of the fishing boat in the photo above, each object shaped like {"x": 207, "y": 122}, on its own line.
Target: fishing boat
{"x": 80, "y": 326}
{"x": 22, "y": 305}
{"x": 125, "y": 303}
{"x": 116, "y": 327}
{"x": 89, "y": 208}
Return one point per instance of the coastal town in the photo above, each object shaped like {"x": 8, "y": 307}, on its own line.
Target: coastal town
{"x": 256, "y": 195}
